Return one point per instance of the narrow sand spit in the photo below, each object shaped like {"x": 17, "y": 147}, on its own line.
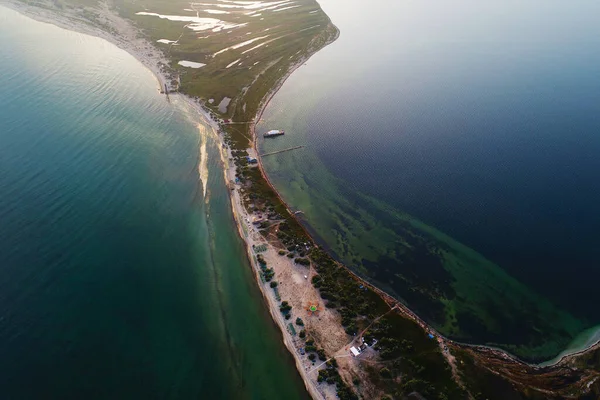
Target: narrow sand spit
{"x": 295, "y": 287}
{"x": 294, "y": 280}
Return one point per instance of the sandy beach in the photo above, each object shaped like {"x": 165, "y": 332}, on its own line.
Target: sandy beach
{"x": 294, "y": 280}
{"x": 122, "y": 34}
{"x": 293, "y": 287}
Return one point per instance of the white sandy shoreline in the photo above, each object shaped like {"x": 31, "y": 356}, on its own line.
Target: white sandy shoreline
{"x": 240, "y": 215}
{"x": 126, "y": 40}
{"x": 154, "y": 62}
{"x": 124, "y": 37}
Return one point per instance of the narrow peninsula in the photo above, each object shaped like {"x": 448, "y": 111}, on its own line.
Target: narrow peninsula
{"x": 350, "y": 340}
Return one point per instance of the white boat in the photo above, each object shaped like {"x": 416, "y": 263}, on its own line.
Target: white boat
{"x": 273, "y": 133}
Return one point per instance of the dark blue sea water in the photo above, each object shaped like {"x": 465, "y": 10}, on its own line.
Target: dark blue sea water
{"x": 480, "y": 120}
{"x": 119, "y": 277}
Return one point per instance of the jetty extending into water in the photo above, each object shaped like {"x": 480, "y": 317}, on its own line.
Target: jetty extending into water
{"x": 281, "y": 151}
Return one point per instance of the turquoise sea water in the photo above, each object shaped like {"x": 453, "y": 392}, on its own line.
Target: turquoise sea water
{"x": 118, "y": 277}
{"x": 452, "y": 157}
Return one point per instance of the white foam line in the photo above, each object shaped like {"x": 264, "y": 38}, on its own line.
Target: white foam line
{"x": 203, "y": 165}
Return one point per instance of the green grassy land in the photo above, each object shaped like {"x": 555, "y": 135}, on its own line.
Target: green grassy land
{"x": 287, "y": 37}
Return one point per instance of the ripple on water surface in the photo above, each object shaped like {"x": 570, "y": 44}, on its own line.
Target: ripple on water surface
{"x": 113, "y": 278}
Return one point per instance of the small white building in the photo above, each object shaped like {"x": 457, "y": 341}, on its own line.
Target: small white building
{"x": 354, "y": 351}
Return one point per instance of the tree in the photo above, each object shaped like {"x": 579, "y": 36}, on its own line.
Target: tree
{"x": 312, "y": 357}
{"x": 274, "y": 284}
{"x": 302, "y": 261}
{"x": 299, "y": 321}
{"x": 321, "y": 354}
{"x": 285, "y": 307}
{"x": 385, "y": 373}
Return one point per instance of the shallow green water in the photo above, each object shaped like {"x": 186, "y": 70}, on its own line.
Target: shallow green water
{"x": 119, "y": 278}
{"x": 451, "y": 157}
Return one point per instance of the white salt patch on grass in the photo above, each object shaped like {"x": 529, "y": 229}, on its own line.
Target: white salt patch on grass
{"x": 286, "y": 8}
{"x": 190, "y": 64}
{"x": 310, "y": 27}
{"x": 240, "y": 2}
{"x": 237, "y": 46}
{"x": 286, "y": 3}
{"x": 197, "y": 23}
{"x": 254, "y": 48}
{"x": 312, "y": 12}
{"x": 266, "y": 43}
{"x": 257, "y": 15}
{"x": 243, "y": 5}
{"x": 166, "y": 41}
{"x": 224, "y": 104}
{"x": 233, "y": 63}
{"x": 216, "y": 11}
